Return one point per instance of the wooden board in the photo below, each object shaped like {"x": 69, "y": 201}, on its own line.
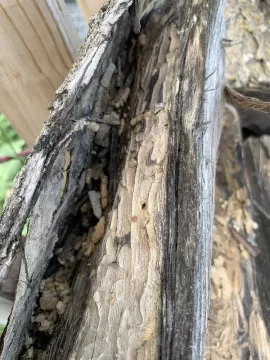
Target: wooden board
{"x": 38, "y": 46}
{"x": 89, "y": 8}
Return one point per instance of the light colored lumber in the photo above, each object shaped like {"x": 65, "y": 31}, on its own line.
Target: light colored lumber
{"x": 38, "y": 46}
{"x": 89, "y": 7}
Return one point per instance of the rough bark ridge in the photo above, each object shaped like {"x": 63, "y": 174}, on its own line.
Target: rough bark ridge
{"x": 145, "y": 293}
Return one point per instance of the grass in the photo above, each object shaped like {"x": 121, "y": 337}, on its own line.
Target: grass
{"x": 10, "y": 144}
{"x": 1, "y": 329}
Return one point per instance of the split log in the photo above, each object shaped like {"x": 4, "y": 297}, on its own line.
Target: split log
{"x": 144, "y": 292}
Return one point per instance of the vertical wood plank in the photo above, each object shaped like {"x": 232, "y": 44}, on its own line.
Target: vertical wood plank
{"x": 37, "y": 53}
{"x": 89, "y": 7}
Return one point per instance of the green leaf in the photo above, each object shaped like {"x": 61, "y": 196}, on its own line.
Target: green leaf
{"x": 10, "y": 144}
{"x": 1, "y": 329}
{"x": 25, "y": 228}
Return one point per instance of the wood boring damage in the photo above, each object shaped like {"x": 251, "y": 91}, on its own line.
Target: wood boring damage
{"x": 118, "y": 192}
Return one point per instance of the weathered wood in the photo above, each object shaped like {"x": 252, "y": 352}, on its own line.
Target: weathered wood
{"x": 256, "y": 152}
{"x": 145, "y": 291}
{"x": 238, "y": 318}
{"x": 255, "y": 123}
{"x": 38, "y": 46}
{"x": 44, "y": 167}
{"x": 238, "y": 325}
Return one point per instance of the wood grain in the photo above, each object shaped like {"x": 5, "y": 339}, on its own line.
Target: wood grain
{"x": 36, "y": 55}
{"x": 246, "y": 102}
{"x": 144, "y": 291}
{"x": 89, "y": 8}
{"x": 257, "y": 164}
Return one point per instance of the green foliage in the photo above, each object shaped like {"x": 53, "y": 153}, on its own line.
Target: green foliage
{"x": 1, "y": 329}
{"x": 25, "y": 227}
{"x": 10, "y": 143}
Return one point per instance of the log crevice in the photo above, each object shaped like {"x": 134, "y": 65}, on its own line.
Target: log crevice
{"x": 148, "y": 296}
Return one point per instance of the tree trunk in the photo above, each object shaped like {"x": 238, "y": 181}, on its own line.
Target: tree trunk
{"x": 141, "y": 290}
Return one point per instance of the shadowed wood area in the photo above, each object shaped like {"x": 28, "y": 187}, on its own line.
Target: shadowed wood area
{"x": 131, "y": 142}
{"x": 257, "y": 166}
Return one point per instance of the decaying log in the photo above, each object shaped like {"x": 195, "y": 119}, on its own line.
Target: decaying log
{"x": 144, "y": 291}
{"x": 257, "y": 166}
{"x": 238, "y": 325}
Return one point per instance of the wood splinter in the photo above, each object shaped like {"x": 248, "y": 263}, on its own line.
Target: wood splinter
{"x": 228, "y": 42}
{"x": 95, "y": 236}
{"x": 245, "y": 102}
{"x": 253, "y": 250}
{"x": 104, "y": 192}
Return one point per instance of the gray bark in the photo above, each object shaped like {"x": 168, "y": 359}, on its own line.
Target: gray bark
{"x": 144, "y": 292}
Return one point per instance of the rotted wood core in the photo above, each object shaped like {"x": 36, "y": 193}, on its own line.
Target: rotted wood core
{"x": 119, "y": 192}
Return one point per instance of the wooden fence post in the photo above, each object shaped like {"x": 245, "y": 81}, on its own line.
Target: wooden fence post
{"x": 89, "y": 7}
{"x": 38, "y": 46}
